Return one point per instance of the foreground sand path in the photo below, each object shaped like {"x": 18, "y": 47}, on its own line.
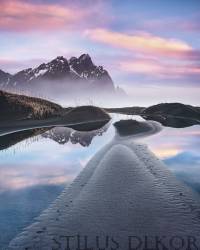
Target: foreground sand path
{"x": 123, "y": 191}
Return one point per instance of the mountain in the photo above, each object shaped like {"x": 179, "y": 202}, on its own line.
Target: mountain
{"x": 59, "y": 76}
{"x": 84, "y": 67}
{"x": 54, "y": 70}
{"x": 4, "y": 77}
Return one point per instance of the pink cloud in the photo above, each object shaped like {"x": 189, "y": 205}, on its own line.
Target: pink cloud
{"x": 15, "y": 177}
{"x": 159, "y": 69}
{"x": 20, "y": 15}
{"x": 144, "y": 43}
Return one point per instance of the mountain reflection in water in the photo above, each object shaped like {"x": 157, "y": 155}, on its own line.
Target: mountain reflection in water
{"x": 61, "y": 135}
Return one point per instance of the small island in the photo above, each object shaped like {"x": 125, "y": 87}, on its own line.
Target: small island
{"x": 20, "y": 112}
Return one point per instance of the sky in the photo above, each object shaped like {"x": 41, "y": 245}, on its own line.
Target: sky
{"x": 151, "y": 48}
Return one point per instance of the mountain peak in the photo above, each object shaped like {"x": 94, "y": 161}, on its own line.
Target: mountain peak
{"x": 85, "y": 57}
{"x": 61, "y": 59}
{"x": 76, "y": 69}
{"x": 82, "y": 64}
{"x": 86, "y": 60}
{"x": 58, "y": 60}
{"x": 58, "y": 67}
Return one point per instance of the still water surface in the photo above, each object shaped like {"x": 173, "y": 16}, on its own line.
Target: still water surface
{"x": 36, "y": 165}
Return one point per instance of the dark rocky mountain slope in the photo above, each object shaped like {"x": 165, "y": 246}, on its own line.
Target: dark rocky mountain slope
{"x": 4, "y": 77}
{"x": 77, "y": 73}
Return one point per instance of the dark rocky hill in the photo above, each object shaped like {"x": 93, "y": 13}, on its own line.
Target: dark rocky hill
{"x": 19, "y": 107}
{"x": 173, "y": 109}
{"x": 173, "y": 114}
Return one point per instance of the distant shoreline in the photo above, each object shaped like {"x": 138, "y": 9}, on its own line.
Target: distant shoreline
{"x": 19, "y": 112}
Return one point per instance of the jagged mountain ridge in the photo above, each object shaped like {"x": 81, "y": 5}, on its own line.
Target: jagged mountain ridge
{"x": 4, "y": 77}
{"x": 80, "y": 69}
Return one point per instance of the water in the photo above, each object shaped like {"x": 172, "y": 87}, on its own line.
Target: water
{"x": 36, "y": 165}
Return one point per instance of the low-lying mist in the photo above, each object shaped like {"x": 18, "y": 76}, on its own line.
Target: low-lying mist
{"x": 79, "y": 93}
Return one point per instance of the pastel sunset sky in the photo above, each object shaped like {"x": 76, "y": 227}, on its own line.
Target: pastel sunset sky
{"x": 150, "y": 47}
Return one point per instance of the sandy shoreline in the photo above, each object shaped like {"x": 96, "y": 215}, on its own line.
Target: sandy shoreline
{"x": 123, "y": 191}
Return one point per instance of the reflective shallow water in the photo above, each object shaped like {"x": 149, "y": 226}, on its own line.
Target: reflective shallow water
{"x": 36, "y": 165}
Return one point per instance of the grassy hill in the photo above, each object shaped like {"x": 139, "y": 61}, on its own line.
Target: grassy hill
{"x": 173, "y": 109}
{"x": 175, "y": 115}
{"x": 20, "y": 107}
{"x": 19, "y": 112}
